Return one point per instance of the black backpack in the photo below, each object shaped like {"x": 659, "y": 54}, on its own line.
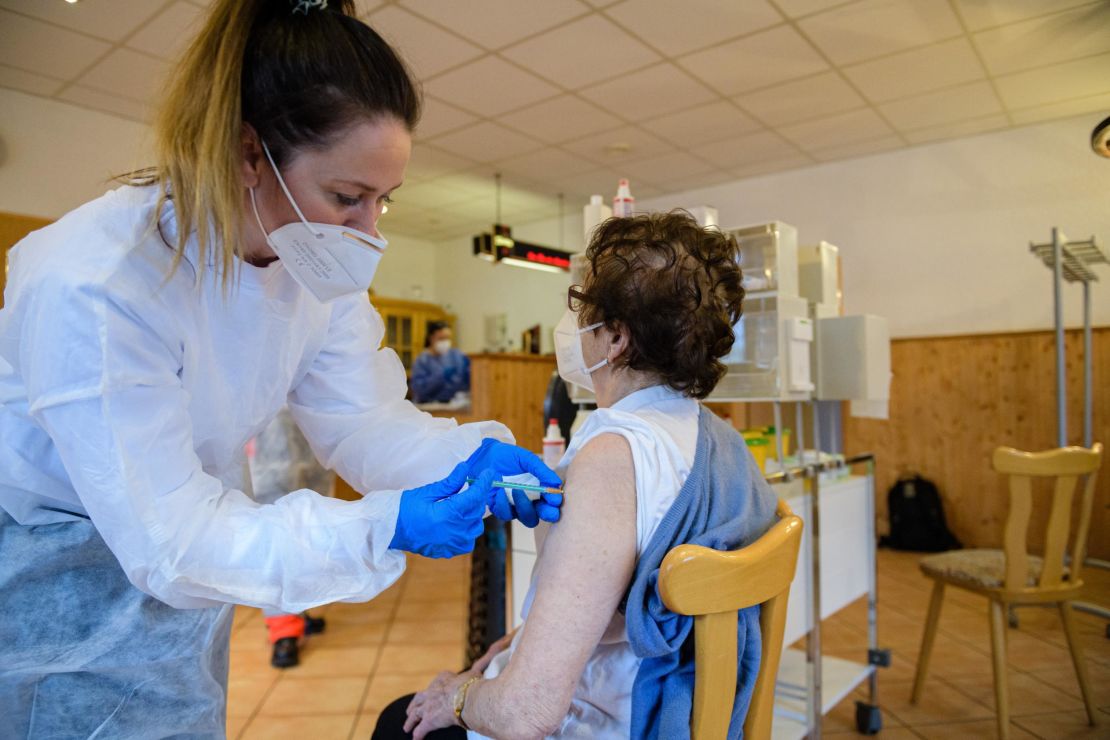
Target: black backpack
{"x": 917, "y": 517}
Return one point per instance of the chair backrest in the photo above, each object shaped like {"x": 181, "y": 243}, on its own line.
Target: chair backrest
{"x": 1069, "y": 466}
{"x": 712, "y": 586}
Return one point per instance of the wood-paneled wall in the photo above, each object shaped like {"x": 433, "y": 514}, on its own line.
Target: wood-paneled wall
{"x": 510, "y": 388}
{"x": 14, "y": 227}
{"x": 954, "y": 399}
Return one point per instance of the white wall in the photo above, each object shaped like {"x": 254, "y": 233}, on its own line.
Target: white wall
{"x": 55, "y": 156}
{"x": 936, "y": 237}
{"x": 472, "y": 288}
{"x": 408, "y": 269}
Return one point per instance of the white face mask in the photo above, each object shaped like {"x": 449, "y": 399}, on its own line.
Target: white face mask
{"x": 442, "y": 347}
{"x": 329, "y": 261}
{"x": 568, "y": 351}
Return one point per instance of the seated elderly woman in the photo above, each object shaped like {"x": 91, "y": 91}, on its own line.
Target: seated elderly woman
{"x": 598, "y": 655}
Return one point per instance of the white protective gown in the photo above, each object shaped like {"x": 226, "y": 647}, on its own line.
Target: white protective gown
{"x": 127, "y": 398}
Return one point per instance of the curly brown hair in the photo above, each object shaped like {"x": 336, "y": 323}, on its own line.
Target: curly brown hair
{"x": 677, "y": 289}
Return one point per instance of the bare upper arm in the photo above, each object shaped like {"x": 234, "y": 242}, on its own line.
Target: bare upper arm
{"x": 587, "y": 563}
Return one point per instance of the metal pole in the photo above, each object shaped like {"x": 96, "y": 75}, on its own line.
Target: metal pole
{"x": 872, "y": 584}
{"x": 813, "y": 639}
{"x": 1088, "y": 400}
{"x": 799, "y": 437}
{"x": 1058, "y": 313}
{"x": 778, "y": 435}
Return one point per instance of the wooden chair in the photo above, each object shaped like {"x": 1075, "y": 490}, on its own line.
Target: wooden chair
{"x": 712, "y": 586}
{"x": 1011, "y": 576}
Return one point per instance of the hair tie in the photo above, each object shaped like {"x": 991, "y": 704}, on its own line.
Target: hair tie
{"x": 303, "y": 6}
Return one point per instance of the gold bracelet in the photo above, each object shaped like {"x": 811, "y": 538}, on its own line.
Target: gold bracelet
{"x": 460, "y": 700}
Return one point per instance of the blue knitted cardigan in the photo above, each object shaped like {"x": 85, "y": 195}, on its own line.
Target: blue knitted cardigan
{"x": 725, "y": 504}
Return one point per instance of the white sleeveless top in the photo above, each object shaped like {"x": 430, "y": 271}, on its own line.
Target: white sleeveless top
{"x": 661, "y": 426}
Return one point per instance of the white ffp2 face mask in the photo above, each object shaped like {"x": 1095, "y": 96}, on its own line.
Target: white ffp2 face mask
{"x": 568, "y": 351}
{"x": 329, "y": 261}
{"x": 442, "y": 347}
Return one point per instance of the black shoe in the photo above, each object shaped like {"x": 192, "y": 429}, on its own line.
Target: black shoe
{"x": 313, "y": 625}
{"x": 286, "y": 653}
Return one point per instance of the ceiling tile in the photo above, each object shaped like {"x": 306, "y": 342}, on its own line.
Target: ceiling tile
{"x": 364, "y": 8}
{"x": 1094, "y": 104}
{"x": 602, "y": 181}
{"x": 696, "y": 182}
{"x": 798, "y": 8}
{"x": 755, "y": 61}
{"x": 617, "y": 146}
{"x": 439, "y": 117}
{"x": 90, "y": 18}
{"x": 546, "y": 163}
{"x": 580, "y": 53}
{"x": 486, "y": 142}
{"x": 650, "y": 92}
{"x": 978, "y": 14}
{"x": 1078, "y": 79}
{"x": 956, "y": 130}
{"x": 476, "y": 183}
{"x": 871, "y": 28}
{"x": 490, "y": 86}
{"x": 838, "y": 130}
{"x": 917, "y": 71}
{"x": 946, "y": 106}
{"x": 473, "y": 208}
{"x": 560, "y": 119}
{"x": 127, "y": 74}
{"x": 771, "y": 166}
{"x": 102, "y": 101}
{"x": 30, "y": 82}
{"x": 706, "y": 123}
{"x": 44, "y": 49}
{"x": 493, "y": 24}
{"x": 168, "y": 33}
{"x": 428, "y": 48}
{"x": 679, "y": 27}
{"x": 802, "y": 100}
{"x": 665, "y": 167}
{"x": 859, "y": 149}
{"x": 428, "y": 161}
{"x": 745, "y": 150}
{"x": 431, "y": 194}
{"x": 1056, "y": 38}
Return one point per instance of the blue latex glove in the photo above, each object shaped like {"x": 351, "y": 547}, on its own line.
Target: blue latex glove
{"x": 439, "y": 521}
{"x": 505, "y": 460}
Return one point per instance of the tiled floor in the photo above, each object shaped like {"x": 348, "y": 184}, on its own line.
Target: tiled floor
{"x": 373, "y": 653}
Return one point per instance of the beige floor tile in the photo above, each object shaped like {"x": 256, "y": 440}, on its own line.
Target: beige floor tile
{"x": 940, "y": 703}
{"x": 1030, "y": 654}
{"x": 964, "y": 730}
{"x": 364, "y": 727}
{"x": 370, "y": 613}
{"x": 432, "y": 610}
{"x": 385, "y": 687}
{"x": 1064, "y": 726}
{"x": 958, "y": 659}
{"x": 301, "y": 727}
{"x": 250, "y": 662}
{"x": 293, "y": 695}
{"x": 235, "y": 726}
{"x": 253, "y": 636}
{"x": 418, "y": 659}
{"x": 354, "y": 660}
{"x": 842, "y": 717}
{"x": 1027, "y": 694}
{"x": 1063, "y": 679}
{"x": 342, "y": 634}
{"x": 436, "y": 590}
{"x": 245, "y": 615}
{"x": 245, "y": 692}
{"x": 430, "y": 631}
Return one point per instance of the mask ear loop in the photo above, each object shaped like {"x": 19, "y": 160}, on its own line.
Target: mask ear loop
{"x": 281, "y": 181}
{"x": 604, "y": 360}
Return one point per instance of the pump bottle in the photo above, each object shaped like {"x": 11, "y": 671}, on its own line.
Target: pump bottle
{"x": 553, "y": 444}
{"x": 623, "y": 200}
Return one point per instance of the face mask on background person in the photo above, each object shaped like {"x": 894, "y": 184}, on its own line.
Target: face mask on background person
{"x": 568, "y": 351}
{"x": 329, "y": 261}
{"x": 442, "y": 346}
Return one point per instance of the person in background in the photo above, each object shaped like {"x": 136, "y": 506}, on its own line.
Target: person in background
{"x": 440, "y": 371}
{"x": 281, "y": 461}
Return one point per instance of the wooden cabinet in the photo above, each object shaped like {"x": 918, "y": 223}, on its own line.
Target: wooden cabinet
{"x": 14, "y": 227}
{"x": 406, "y": 325}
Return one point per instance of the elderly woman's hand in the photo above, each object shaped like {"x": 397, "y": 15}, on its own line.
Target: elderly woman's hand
{"x": 434, "y": 707}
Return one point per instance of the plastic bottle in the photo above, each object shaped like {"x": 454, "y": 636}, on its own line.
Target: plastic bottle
{"x": 623, "y": 200}
{"x": 553, "y": 444}
{"x": 593, "y": 213}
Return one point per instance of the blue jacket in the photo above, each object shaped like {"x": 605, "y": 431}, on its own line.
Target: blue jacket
{"x": 725, "y": 504}
{"x": 439, "y": 377}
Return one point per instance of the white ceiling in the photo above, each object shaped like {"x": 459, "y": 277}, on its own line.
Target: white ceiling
{"x": 564, "y": 96}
